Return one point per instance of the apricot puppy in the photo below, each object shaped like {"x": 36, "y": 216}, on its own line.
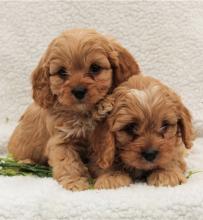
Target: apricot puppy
{"x": 79, "y": 68}
{"x": 144, "y": 136}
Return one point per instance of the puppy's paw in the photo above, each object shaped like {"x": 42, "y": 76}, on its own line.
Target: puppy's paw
{"x": 166, "y": 178}
{"x": 26, "y": 161}
{"x": 78, "y": 184}
{"x": 103, "y": 108}
{"x": 112, "y": 181}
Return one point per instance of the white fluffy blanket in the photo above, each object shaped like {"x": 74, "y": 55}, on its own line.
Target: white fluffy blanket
{"x": 26, "y": 198}
{"x": 165, "y": 37}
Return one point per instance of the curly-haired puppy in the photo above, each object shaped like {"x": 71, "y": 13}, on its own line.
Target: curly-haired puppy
{"x": 144, "y": 136}
{"x": 79, "y": 68}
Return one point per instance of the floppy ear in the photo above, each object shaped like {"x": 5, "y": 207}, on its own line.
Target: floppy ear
{"x": 103, "y": 145}
{"x": 185, "y": 126}
{"x": 123, "y": 63}
{"x": 41, "y": 85}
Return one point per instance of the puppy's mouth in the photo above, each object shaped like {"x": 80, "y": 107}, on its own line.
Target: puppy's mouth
{"x": 137, "y": 161}
{"x": 78, "y": 105}
{"x": 144, "y": 165}
{"x": 82, "y": 107}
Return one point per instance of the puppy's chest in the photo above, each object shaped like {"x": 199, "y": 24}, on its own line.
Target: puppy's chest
{"x": 138, "y": 175}
{"x": 77, "y": 127}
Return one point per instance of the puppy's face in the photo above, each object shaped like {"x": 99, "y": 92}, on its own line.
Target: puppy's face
{"x": 80, "y": 70}
{"x": 146, "y": 130}
{"x": 147, "y": 123}
{"x": 80, "y": 67}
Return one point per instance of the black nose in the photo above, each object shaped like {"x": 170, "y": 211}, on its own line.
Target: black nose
{"x": 79, "y": 92}
{"x": 149, "y": 154}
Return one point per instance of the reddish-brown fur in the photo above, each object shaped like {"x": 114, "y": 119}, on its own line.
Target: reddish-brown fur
{"x": 57, "y": 127}
{"x": 145, "y": 104}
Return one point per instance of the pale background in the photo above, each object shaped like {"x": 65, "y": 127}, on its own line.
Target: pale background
{"x": 167, "y": 40}
{"x": 165, "y": 37}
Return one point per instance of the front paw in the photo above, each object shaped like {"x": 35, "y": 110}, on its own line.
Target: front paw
{"x": 112, "y": 181}
{"x": 103, "y": 108}
{"x": 26, "y": 161}
{"x": 166, "y": 178}
{"x": 74, "y": 184}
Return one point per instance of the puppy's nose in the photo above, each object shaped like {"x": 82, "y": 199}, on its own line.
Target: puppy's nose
{"x": 79, "y": 92}
{"x": 149, "y": 154}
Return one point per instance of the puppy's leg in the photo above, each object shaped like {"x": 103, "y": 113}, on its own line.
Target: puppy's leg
{"x": 112, "y": 180}
{"x": 171, "y": 175}
{"x": 68, "y": 169}
{"x": 30, "y": 137}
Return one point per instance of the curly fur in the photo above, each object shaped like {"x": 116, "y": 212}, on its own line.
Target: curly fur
{"x": 146, "y": 115}
{"x": 56, "y": 128}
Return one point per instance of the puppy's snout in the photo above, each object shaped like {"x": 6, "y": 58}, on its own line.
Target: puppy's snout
{"x": 79, "y": 92}
{"x": 149, "y": 154}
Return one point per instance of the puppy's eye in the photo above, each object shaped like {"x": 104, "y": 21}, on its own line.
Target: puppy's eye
{"x": 130, "y": 129}
{"x": 62, "y": 73}
{"x": 95, "y": 69}
{"x": 164, "y": 126}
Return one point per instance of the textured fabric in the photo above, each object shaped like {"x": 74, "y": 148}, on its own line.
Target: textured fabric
{"x": 35, "y": 198}
{"x": 165, "y": 37}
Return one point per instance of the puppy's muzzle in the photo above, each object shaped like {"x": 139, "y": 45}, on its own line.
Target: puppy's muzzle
{"x": 79, "y": 92}
{"x": 149, "y": 154}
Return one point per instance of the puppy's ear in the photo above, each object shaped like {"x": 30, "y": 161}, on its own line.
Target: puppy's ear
{"x": 103, "y": 145}
{"x": 41, "y": 85}
{"x": 123, "y": 63}
{"x": 185, "y": 126}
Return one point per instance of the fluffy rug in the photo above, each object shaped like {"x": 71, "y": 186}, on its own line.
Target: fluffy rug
{"x": 42, "y": 198}
{"x": 165, "y": 37}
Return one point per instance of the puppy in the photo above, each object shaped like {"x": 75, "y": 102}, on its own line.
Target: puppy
{"x": 144, "y": 136}
{"x": 79, "y": 68}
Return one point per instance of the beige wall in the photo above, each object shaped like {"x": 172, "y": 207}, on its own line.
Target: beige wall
{"x": 165, "y": 37}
